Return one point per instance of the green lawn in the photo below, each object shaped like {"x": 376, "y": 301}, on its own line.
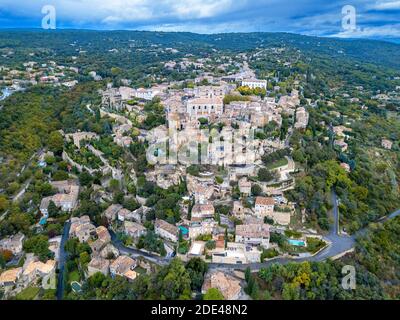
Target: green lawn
{"x": 314, "y": 245}
{"x": 280, "y": 163}
{"x": 74, "y": 276}
{"x": 140, "y": 270}
{"x": 29, "y": 293}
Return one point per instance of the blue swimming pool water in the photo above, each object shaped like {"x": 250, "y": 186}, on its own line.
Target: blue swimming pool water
{"x": 297, "y": 243}
{"x": 184, "y": 230}
{"x": 43, "y": 221}
{"x": 76, "y": 286}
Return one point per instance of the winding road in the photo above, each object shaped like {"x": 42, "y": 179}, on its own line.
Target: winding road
{"x": 135, "y": 253}
{"x": 338, "y": 245}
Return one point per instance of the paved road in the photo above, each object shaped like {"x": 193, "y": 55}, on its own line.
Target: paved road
{"x": 338, "y": 244}
{"x": 62, "y": 260}
{"x": 135, "y": 253}
{"x": 22, "y": 191}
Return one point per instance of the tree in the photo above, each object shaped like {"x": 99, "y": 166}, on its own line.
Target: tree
{"x": 265, "y": 175}
{"x": 196, "y": 268}
{"x": 17, "y": 221}
{"x": 269, "y": 220}
{"x": 191, "y": 205}
{"x": 247, "y": 274}
{"x": 52, "y": 210}
{"x": 256, "y": 190}
{"x": 114, "y": 185}
{"x": 50, "y": 160}
{"x": 254, "y": 290}
{"x": 213, "y": 294}
{"x": 2, "y": 262}
{"x": 85, "y": 179}
{"x": 13, "y": 188}
{"x": 217, "y": 217}
{"x": 56, "y": 142}
{"x": 131, "y": 204}
{"x": 38, "y": 245}
{"x": 54, "y": 229}
{"x": 4, "y": 203}
{"x": 6, "y": 255}
{"x": 291, "y": 291}
{"x": 60, "y": 175}
{"x": 96, "y": 280}
{"x": 84, "y": 259}
{"x": 118, "y": 197}
{"x": 251, "y": 283}
{"x": 151, "y": 242}
{"x": 211, "y": 245}
{"x": 173, "y": 281}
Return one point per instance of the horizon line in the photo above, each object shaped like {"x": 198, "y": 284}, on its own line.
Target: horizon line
{"x": 376, "y": 39}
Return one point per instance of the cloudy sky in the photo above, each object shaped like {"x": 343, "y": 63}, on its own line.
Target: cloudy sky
{"x": 374, "y": 18}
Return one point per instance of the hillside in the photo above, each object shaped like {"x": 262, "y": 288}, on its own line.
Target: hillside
{"x": 67, "y": 41}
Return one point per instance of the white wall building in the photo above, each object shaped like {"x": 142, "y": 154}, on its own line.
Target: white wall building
{"x": 204, "y": 107}
{"x": 264, "y": 207}
{"x": 254, "y": 83}
{"x": 253, "y": 234}
{"x": 166, "y": 230}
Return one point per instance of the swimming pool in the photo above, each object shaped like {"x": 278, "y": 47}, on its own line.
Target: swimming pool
{"x": 43, "y": 221}
{"x": 184, "y": 230}
{"x": 297, "y": 243}
{"x": 76, "y": 287}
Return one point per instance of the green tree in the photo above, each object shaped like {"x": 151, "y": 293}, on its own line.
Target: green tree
{"x": 85, "y": 179}
{"x": 256, "y": 190}
{"x": 196, "y": 268}
{"x": 173, "y": 282}
{"x": 265, "y": 175}
{"x": 96, "y": 280}
{"x": 213, "y": 294}
{"x": 226, "y": 238}
{"x": 131, "y": 204}
{"x": 4, "y": 203}
{"x": 52, "y": 210}
{"x": 2, "y": 262}
{"x": 60, "y": 175}
{"x": 247, "y": 274}
{"x": 114, "y": 185}
{"x": 56, "y": 142}
{"x": 38, "y": 245}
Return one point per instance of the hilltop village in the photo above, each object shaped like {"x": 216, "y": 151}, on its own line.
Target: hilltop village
{"x": 204, "y": 168}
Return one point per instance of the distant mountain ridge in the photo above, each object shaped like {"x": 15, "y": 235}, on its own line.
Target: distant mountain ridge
{"x": 369, "y": 51}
